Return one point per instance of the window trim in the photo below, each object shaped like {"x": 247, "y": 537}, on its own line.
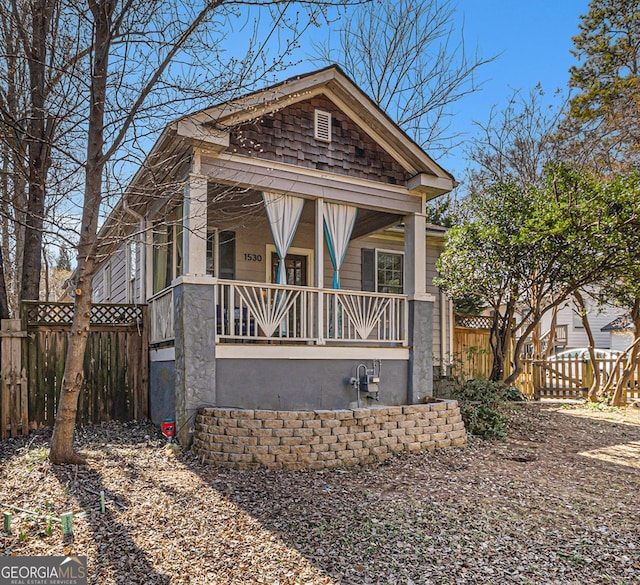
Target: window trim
{"x": 396, "y": 253}
{"x": 215, "y": 232}
{"x": 173, "y": 222}
{"x": 131, "y": 271}
{"x": 107, "y": 282}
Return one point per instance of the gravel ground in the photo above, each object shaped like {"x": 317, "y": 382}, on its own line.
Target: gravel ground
{"x": 556, "y": 502}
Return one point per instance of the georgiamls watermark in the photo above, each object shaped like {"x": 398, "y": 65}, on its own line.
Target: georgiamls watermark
{"x": 43, "y": 570}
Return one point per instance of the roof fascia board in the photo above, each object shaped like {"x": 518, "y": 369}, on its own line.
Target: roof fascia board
{"x": 215, "y": 139}
{"x": 287, "y": 180}
{"x": 254, "y": 105}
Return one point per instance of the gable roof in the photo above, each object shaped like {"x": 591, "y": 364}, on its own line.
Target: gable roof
{"x": 622, "y": 323}
{"x": 332, "y": 82}
{"x": 209, "y": 128}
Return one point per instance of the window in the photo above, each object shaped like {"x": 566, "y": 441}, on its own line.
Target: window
{"x": 167, "y": 250}
{"x": 322, "y": 126}
{"x": 389, "y": 272}
{"x": 221, "y": 254}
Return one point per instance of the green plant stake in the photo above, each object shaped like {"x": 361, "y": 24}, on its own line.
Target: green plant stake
{"x": 7, "y": 522}
{"x": 102, "y": 505}
{"x": 48, "y": 531}
{"x": 67, "y": 523}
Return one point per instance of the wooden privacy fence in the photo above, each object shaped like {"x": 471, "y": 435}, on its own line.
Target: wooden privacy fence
{"x": 115, "y": 366}
{"x": 572, "y": 378}
{"x": 471, "y": 350}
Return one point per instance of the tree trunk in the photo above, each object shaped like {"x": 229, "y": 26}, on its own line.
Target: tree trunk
{"x": 594, "y": 389}
{"x": 500, "y": 338}
{"x": 517, "y": 364}
{"x": 38, "y": 149}
{"x": 552, "y": 334}
{"x": 14, "y": 200}
{"x": 62, "y": 441}
{"x": 619, "y": 397}
{"x": 4, "y": 193}
{"x": 517, "y": 351}
{"x": 4, "y": 304}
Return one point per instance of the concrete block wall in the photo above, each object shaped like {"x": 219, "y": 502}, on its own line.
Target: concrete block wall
{"x": 251, "y": 439}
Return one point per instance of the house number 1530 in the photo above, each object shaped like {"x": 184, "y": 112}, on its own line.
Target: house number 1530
{"x": 253, "y": 257}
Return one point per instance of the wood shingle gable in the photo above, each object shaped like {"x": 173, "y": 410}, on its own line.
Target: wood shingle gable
{"x": 287, "y": 136}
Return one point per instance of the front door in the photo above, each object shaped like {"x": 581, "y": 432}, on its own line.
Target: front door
{"x": 296, "y": 267}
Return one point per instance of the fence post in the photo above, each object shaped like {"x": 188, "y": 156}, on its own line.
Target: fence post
{"x": 537, "y": 378}
{"x": 13, "y": 388}
{"x": 587, "y": 379}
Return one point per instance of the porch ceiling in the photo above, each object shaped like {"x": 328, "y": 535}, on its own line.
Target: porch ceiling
{"x": 236, "y": 206}
{"x": 368, "y": 222}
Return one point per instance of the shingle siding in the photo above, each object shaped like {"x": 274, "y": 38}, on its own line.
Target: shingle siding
{"x": 287, "y": 136}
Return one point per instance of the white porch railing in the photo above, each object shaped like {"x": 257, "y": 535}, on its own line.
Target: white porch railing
{"x": 255, "y": 311}
{"x": 161, "y": 316}
{"x": 246, "y": 310}
{"x": 365, "y": 317}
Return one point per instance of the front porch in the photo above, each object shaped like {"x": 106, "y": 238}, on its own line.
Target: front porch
{"x": 229, "y": 342}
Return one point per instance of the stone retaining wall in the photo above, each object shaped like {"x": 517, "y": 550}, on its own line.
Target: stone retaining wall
{"x": 249, "y": 439}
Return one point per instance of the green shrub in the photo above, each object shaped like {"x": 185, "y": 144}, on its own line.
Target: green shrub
{"x": 513, "y": 394}
{"x": 480, "y": 402}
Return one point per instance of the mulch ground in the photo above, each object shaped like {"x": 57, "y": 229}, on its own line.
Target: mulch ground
{"x": 556, "y": 502}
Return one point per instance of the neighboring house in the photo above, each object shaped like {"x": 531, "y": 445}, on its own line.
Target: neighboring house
{"x": 280, "y": 241}
{"x": 570, "y": 332}
{"x": 620, "y": 331}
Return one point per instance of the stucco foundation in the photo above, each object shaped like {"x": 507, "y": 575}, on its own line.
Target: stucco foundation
{"x": 277, "y": 439}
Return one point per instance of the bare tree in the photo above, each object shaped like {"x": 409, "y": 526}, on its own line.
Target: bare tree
{"x": 142, "y": 53}
{"x": 515, "y": 143}
{"x": 409, "y": 57}
{"x": 13, "y": 130}
{"x": 39, "y": 101}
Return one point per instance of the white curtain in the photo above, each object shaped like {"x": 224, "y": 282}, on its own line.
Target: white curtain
{"x": 338, "y": 225}
{"x": 284, "y": 213}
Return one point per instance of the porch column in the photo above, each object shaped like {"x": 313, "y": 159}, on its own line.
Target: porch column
{"x": 319, "y": 269}
{"x": 420, "y": 333}
{"x": 194, "y": 221}
{"x": 195, "y": 350}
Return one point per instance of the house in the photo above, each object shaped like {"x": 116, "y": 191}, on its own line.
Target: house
{"x": 620, "y": 331}
{"x": 281, "y": 245}
{"x": 569, "y": 329}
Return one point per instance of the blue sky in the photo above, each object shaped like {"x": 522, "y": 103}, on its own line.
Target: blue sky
{"x": 533, "y": 41}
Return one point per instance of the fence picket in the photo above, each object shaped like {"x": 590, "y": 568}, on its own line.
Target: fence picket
{"x": 572, "y": 378}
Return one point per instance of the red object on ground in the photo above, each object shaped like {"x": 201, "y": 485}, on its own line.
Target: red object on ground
{"x": 168, "y": 428}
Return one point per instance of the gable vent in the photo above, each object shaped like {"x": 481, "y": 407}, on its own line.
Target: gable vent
{"x": 322, "y": 126}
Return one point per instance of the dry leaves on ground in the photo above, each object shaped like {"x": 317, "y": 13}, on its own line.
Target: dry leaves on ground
{"x": 556, "y": 502}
